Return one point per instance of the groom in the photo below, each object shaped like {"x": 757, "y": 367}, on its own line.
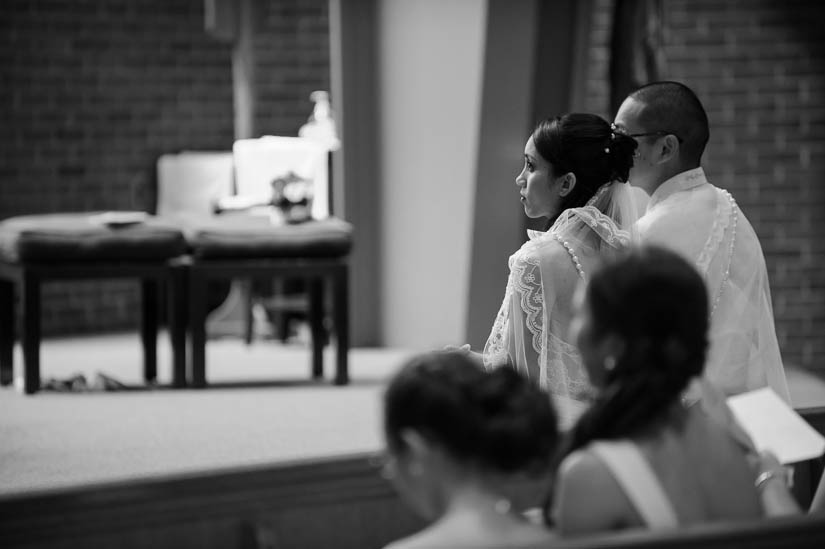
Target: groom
{"x": 702, "y": 222}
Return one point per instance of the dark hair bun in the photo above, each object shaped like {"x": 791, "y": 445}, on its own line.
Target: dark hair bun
{"x": 497, "y": 420}
{"x": 517, "y": 426}
{"x": 588, "y": 146}
{"x": 621, "y": 150}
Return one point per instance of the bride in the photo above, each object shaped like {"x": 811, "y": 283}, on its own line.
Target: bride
{"x": 575, "y": 172}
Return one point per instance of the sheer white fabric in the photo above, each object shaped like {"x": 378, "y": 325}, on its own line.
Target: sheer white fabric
{"x": 530, "y": 332}
{"x": 703, "y": 223}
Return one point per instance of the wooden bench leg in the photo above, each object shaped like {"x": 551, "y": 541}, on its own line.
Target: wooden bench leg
{"x": 316, "y": 323}
{"x": 30, "y": 296}
{"x": 177, "y": 323}
{"x": 149, "y": 328}
{"x": 341, "y": 321}
{"x": 6, "y": 332}
{"x": 248, "y": 288}
{"x": 197, "y": 327}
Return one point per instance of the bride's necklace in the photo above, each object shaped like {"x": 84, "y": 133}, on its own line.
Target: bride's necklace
{"x": 572, "y": 253}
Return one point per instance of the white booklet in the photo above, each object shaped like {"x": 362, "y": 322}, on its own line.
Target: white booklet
{"x": 774, "y": 425}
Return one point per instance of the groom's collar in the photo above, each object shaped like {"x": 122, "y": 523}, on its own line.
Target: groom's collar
{"x": 679, "y": 182}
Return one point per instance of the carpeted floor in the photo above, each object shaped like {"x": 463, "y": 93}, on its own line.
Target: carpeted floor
{"x": 259, "y": 409}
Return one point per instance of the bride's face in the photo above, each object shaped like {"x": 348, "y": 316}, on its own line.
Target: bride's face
{"x": 537, "y": 186}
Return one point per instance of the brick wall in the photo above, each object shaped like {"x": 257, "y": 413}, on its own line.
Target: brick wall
{"x": 93, "y": 91}
{"x": 759, "y": 67}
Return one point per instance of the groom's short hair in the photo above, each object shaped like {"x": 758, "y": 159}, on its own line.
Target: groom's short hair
{"x": 673, "y": 107}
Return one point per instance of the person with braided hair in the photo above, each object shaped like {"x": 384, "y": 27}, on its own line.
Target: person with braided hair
{"x": 574, "y": 175}
{"x": 468, "y": 450}
{"x": 641, "y": 455}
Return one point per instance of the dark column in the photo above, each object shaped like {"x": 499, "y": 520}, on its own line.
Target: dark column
{"x": 356, "y": 190}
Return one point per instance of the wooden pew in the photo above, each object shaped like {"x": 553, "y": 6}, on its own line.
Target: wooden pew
{"x": 341, "y": 502}
{"x": 800, "y": 532}
{"x": 337, "y": 503}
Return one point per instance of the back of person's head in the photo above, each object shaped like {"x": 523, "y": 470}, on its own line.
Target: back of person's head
{"x": 497, "y": 421}
{"x": 674, "y": 108}
{"x": 586, "y": 145}
{"x": 656, "y": 306}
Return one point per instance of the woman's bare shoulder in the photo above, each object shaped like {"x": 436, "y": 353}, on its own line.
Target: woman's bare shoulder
{"x": 583, "y": 466}
{"x": 588, "y": 498}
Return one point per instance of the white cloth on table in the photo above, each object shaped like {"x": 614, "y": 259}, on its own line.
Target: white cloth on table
{"x": 259, "y": 161}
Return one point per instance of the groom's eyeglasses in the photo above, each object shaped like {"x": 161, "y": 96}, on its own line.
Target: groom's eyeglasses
{"x": 656, "y": 134}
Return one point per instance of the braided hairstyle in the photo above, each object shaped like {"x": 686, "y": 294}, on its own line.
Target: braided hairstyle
{"x": 497, "y": 420}
{"x": 586, "y": 145}
{"x": 656, "y": 302}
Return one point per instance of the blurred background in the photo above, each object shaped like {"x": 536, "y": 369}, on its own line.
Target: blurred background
{"x": 434, "y": 100}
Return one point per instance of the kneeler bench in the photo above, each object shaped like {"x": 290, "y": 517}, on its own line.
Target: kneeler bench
{"x": 39, "y": 248}
{"x": 252, "y": 247}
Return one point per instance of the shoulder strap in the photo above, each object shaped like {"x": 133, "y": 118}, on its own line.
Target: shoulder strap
{"x": 633, "y": 473}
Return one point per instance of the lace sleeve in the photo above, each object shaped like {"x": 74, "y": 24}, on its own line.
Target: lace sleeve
{"x": 522, "y": 334}
{"x": 528, "y": 288}
{"x": 516, "y": 337}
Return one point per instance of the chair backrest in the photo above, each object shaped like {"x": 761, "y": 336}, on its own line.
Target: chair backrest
{"x": 191, "y": 182}
{"x": 259, "y": 161}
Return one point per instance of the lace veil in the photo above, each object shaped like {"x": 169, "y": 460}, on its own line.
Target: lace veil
{"x": 531, "y": 329}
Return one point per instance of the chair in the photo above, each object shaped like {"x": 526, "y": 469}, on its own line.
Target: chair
{"x": 191, "y": 184}
{"x": 39, "y": 248}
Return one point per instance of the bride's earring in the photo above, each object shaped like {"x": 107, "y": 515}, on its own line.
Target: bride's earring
{"x": 609, "y": 363}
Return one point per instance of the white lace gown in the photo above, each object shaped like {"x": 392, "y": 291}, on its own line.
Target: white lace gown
{"x": 531, "y": 329}
{"x": 703, "y": 223}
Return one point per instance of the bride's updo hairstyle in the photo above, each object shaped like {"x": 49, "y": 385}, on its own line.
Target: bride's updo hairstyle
{"x": 496, "y": 421}
{"x": 586, "y": 145}
{"x": 657, "y": 305}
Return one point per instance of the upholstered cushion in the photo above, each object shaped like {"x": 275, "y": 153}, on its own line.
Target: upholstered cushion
{"x": 89, "y": 237}
{"x": 245, "y": 236}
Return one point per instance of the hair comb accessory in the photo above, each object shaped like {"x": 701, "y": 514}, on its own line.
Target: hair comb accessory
{"x": 612, "y": 136}
{"x": 616, "y": 130}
